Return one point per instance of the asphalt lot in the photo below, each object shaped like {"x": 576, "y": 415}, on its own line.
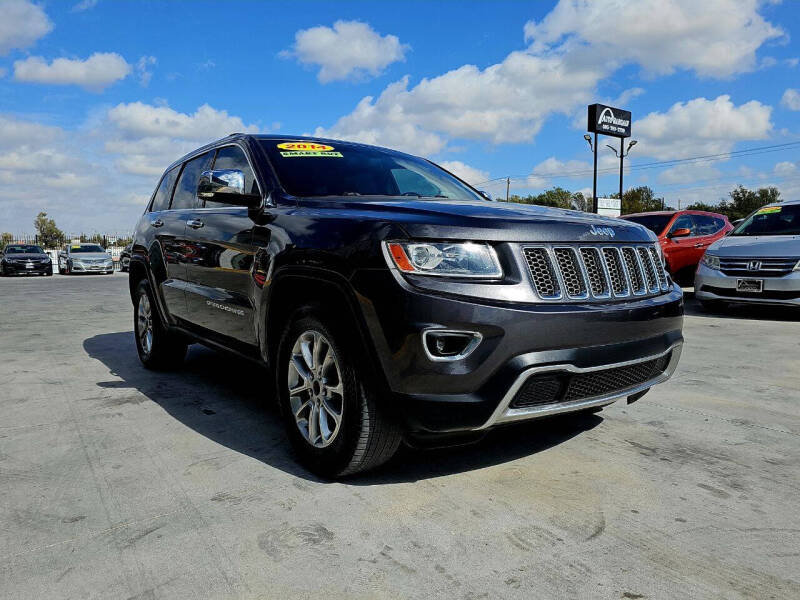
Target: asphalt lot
{"x": 116, "y": 482}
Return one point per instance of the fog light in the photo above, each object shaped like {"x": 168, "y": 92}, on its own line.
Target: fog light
{"x": 446, "y": 344}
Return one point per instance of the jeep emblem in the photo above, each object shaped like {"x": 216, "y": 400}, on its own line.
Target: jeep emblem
{"x": 607, "y": 231}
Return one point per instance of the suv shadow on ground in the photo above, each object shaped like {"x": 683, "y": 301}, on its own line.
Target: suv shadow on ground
{"x": 213, "y": 395}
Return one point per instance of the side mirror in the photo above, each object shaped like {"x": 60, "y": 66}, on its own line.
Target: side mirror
{"x": 682, "y": 232}
{"x": 485, "y": 194}
{"x": 226, "y": 186}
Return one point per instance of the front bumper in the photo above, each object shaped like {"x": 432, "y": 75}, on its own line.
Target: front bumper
{"x": 21, "y": 269}
{"x": 518, "y": 341}
{"x": 710, "y": 284}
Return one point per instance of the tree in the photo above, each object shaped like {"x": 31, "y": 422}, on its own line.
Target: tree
{"x": 557, "y": 197}
{"x": 5, "y": 240}
{"x": 744, "y": 201}
{"x": 640, "y": 199}
{"x": 48, "y": 235}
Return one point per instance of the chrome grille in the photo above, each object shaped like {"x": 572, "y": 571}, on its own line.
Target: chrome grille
{"x": 571, "y": 274}
{"x": 598, "y": 280}
{"x": 595, "y": 272}
{"x": 542, "y": 273}
{"x": 767, "y": 267}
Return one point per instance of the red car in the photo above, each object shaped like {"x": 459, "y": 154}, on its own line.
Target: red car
{"x": 684, "y": 236}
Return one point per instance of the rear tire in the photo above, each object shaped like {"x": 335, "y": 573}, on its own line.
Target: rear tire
{"x": 332, "y": 403}
{"x": 158, "y": 348}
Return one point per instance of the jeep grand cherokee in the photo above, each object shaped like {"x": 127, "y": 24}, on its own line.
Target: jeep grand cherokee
{"x": 391, "y": 300}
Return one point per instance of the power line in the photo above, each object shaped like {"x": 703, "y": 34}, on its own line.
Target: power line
{"x": 656, "y": 164}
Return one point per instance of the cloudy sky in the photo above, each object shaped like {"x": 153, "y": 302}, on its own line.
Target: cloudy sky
{"x": 98, "y": 96}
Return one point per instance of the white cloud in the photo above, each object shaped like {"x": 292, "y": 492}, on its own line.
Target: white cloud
{"x": 143, "y": 70}
{"x": 469, "y": 174}
{"x": 348, "y": 50}
{"x": 700, "y": 127}
{"x": 84, "y": 5}
{"x": 791, "y": 99}
{"x": 94, "y": 74}
{"x": 688, "y": 173}
{"x": 785, "y": 168}
{"x": 713, "y": 38}
{"x": 569, "y": 55}
{"x": 22, "y": 24}
{"x": 147, "y": 138}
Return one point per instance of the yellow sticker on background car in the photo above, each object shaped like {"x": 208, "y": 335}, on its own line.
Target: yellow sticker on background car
{"x": 305, "y": 147}
{"x": 769, "y": 209}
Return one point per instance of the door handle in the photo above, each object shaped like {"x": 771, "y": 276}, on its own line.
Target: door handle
{"x": 700, "y": 245}
{"x": 157, "y": 223}
{"x": 195, "y": 223}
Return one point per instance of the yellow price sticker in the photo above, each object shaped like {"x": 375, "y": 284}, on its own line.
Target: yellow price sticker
{"x": 769, "y": 210}
{"x": 305, "y": 147}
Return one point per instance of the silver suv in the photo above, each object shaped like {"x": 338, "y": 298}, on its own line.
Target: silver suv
{"x": 758, "y": 262}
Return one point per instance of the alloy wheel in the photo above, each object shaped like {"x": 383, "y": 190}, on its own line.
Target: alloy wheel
{"x": 144, "y": 323}
{"x": 316, "y": 392}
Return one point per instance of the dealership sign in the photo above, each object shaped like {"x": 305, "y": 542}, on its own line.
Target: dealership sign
{"x": 608, "y": 120}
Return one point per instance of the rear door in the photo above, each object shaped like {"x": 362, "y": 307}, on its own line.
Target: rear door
{"x": 219, "y": 269}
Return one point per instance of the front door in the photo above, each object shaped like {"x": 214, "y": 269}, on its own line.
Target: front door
{"x": 219, "y": 266}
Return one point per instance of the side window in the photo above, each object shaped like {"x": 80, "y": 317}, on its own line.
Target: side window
{"x": 185, "y": 195}
{"x": 164, "y": 191}
{"x": 707, "y": 225}
{"x": 233, "y": 157}
{"x": 684, "y": 222}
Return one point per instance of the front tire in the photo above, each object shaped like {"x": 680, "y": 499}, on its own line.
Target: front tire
{"x": 158, "y": 348}
{"x": 332, "y": 419}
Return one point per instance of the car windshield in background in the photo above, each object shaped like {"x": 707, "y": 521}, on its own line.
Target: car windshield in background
{"x": 772, "y": 220}
{"x": 315, "y": 169}
{"x": 655, "y": 223}
{"x": 23, "y": 250}
{"x": 86, "y": 248}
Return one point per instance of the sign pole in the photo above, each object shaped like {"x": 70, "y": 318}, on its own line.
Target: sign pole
{"x": 621, "y": 165}
{"x": 594, "y": 180}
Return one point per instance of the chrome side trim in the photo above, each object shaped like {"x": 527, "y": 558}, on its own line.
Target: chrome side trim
{"x": 477, "y": 338}
{"x": 504, "y": 414}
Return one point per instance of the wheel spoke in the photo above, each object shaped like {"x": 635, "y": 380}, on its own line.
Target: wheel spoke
{"x": 301, "y": 387}
{"x": 336, "y": 389}
{"x": 298, "y": 407}
{"x": 298, "y": 365}
{"x": 330, "y": 410}
{"x": 307, "y": 349}
{"x": 313, "y": 424}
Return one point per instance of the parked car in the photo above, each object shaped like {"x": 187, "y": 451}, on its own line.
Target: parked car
{"x": 125, "y": 258}
{"x": 684, "y": 236}
{"x": 759, "y": 262}
{"x": 84, "y": 258}
{"x": 24, "y": 259}
{"x": 390, "y": 300}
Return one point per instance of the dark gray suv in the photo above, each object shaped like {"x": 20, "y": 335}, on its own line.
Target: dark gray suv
{"x": 390, "y": 300}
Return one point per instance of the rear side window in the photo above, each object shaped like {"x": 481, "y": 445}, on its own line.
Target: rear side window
{"x": 185, "y": 195}
{"x": 164, "y": 191}
{"x": 233, "y": 157}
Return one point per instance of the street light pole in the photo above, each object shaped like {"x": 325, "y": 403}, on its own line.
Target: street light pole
{"x": 621, "y": 166}
{"x": 594, "y": 179}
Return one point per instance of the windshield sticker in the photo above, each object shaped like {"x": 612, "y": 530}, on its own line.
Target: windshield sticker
{"x": 305, "y": 146}
{"x": 307, "y": 149}
{"x": 769, "y": 210}
{"x": 76, "y": 247}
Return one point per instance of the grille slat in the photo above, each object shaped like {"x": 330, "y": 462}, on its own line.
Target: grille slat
{"x": 769, "y": 267}
{"x": 595, "y": 272}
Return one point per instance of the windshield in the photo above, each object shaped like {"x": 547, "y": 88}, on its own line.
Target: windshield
{"x": 771, "y": 220}
{"x": 23, "y": 250}
{"x": 86, "y": 248}
{"x": 316, "y": 169}
{"x": 655, "y": 223}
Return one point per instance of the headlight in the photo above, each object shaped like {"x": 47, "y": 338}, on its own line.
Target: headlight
{"x": 711, "y": 261}
{"x": 797, "y": 266}
{"x": 445, "y": 259}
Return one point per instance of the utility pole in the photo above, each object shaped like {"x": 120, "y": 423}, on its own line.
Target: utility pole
{"x": 508, "y": 186}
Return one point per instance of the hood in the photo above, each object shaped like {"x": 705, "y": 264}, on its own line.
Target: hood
{"x": 491, "y": 221}
{"x": 90, "y": 255}
{"x": 757, "y": 246}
